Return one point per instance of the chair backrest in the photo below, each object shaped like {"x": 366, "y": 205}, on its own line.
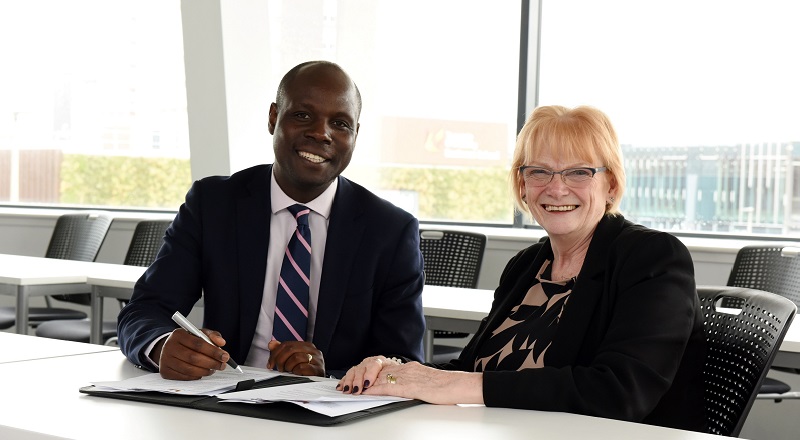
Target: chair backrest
{"x": 78, "y": 236}
{"x": 772, "y": 268}
{"x": 146, "y": 242}
{"x": 741, "y": 348}
{"x": 451, "y": 258}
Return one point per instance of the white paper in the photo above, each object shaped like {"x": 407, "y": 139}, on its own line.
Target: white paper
{"x": 219, "y": 382}
{"x": 321, "y": 397}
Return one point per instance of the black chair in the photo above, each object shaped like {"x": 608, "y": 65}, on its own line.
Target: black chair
{"x": 451, "y": 258}
{"x": 742, "y": 343}
{"x": 772, "y": 268}
{"x": 76, "y": 236}
{"x": 145, "y": 244}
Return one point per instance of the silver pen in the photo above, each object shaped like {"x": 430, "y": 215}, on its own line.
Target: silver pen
{"x": 189, "y": 327}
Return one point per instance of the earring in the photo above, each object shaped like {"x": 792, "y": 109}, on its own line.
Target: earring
{"x": 611, "y": 201}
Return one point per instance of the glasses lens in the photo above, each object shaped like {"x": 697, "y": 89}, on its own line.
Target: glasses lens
{"x": 537, "y": 176}
{"x": 577, "y": 175}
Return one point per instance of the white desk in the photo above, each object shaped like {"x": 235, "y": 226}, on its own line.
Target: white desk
{"x": 25, "y": 277}
{"x": 453, "y": 309}
{"x": 109, "y": 282}
{"x": 46, "y": 404}
{"x": 17, "y": 348}
{"x": 789, "y": 354}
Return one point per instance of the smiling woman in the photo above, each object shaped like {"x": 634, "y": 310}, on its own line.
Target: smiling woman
{"x": 600, "y": 318}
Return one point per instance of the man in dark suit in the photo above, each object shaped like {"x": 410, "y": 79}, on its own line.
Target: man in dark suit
{"x": 227, "y": 244}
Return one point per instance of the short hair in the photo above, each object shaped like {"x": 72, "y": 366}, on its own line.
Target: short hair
{"x": 582, "y": 134}
{"x": 291, "y": 74}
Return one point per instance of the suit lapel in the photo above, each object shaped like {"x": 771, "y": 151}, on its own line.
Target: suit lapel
{"x": 345, "y": 232}
{"x": 587, "y": 297}
{"x": 252, "y": 235}
{"x": 582, "y": 304}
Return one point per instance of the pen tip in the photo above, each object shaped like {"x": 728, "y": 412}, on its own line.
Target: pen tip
{"x": 239, "y": 369}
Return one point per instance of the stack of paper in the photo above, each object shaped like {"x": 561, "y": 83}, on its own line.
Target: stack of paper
{"x": 321, "y": 397}
{"x": 219, "y": 382}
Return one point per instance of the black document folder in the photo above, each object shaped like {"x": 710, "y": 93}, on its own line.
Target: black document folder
{"x": 281, "y": 411}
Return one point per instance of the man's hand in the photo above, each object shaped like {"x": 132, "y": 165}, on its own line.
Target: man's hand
{"x": 298, "y": 357}
{"x": 183, "y": 356}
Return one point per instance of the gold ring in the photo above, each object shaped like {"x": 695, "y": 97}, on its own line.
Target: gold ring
{"x": 309, "y": 357}
{"x": 391, "y": 379}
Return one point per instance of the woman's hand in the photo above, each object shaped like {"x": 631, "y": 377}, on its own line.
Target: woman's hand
{"x": 378, "y": 375}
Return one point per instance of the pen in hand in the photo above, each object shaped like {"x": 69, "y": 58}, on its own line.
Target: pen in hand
{"x": 189, "y": 327}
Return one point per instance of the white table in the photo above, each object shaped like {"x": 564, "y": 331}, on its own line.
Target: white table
{"x": 47, "y": 404}
{"x": 109, "y": 282}
{"x": 17, "y": 348}
{"x": 25, "y": 277}
{"x": 453, "y": 309}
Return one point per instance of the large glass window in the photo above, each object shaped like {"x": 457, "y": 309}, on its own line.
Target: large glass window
{"x": 439, "y": 83}
{"x": 704, "y": 98}
{"x": 93, "y": 107}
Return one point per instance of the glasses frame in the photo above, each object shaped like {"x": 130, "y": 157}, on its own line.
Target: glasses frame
{"x": 563, "y": 179}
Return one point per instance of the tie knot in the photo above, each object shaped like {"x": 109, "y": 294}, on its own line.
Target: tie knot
{"x": 300, "y": 214}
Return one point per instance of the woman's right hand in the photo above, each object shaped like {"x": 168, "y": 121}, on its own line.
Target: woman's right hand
{"x": 363, "y": 375}
{"x": 378, "y": 375}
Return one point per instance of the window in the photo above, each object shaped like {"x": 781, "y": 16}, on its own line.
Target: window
{"x": 439, "y": 83}
{"x": 703, "y": 95}
{"x": 93, "y": 108}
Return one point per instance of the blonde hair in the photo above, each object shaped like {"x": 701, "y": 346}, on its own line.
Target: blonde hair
{"x": 574, "y": 134}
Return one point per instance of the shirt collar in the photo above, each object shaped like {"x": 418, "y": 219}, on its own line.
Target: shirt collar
{"x": 321, "y": 205}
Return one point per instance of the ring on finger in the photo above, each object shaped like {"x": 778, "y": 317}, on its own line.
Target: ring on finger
{"x": 391, "y": 379}
{"x": 310, "y": 357}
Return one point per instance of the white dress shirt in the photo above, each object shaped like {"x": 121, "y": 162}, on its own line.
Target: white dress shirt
{"x": 282, "y": 226}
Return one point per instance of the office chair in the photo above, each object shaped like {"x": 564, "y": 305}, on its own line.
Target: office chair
{"x": 742, "y": 343}
{"x": 772, "y": 268}
{"x": 451, "y": 258}
{"x": 76, "y": 236}
{"x": 145, "y": 244}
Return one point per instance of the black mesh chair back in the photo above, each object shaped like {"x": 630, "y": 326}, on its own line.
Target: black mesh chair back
{"x": 773, "y": 268}
{"x": 148, "y": 236}
{"x": 742, "y": 343}
{"x": 78, "y": 237}
{"x": 146, "y": 242}
{"x": 451, "y": 258}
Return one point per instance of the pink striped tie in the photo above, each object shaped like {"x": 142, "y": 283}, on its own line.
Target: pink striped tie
{"x": 291, "y": 306}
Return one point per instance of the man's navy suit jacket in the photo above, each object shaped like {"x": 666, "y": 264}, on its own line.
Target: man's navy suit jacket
{"x": 370, "y": 290}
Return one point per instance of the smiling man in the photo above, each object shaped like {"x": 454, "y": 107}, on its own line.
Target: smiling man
{"x": 357, "y": 259}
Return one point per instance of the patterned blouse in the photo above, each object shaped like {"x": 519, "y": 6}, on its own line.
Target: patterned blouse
{"x": 521, "y": 341}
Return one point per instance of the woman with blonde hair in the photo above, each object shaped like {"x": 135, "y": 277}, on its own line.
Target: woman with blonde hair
{"x": 601, "y": 317}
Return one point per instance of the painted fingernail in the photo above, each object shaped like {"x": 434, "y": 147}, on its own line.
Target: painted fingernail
{"x": 355, "y": 389}
{"x": 366, "y": 384}
{"x": 346, "y": 388}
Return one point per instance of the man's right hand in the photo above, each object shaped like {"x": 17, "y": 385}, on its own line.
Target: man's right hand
{"x": 183, "y": 356}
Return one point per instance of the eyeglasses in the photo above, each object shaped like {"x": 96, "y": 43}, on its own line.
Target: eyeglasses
{"x": 573, "y": 177}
